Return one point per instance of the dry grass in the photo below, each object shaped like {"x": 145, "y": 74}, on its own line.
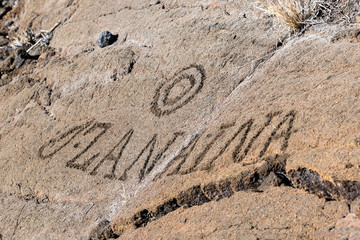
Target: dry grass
{"x": 298, "y": 14}
{"x": 291, "y": 13}
{"x": 28, "y": 40}
{"x": 24, "y": 40}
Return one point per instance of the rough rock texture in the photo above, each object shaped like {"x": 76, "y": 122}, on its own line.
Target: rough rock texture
{"x": 195, "y": 124}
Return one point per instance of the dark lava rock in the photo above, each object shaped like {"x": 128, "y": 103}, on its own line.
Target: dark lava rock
{"x": 20, "y": 58}
{"x": 15, "y": 60}
{"x": 9, "y": 23}
{"x": 106, "y": 38}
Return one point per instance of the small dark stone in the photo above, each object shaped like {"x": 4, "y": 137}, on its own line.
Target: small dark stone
{"x": 9, "y": 23}
{"x": 20, "y": 58}
{"x": 106, "y": 38}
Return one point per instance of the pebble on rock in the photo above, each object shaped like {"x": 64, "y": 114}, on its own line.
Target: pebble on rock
{"x": 21, "y": 56}
{"x": 9, "y": 23}
{"x": 106, "y": 38}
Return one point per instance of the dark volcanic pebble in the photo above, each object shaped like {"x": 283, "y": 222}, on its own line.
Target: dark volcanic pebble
{"x": 20, "y": 58}
{"x": 106, "y": 38}
{"x": 9, "y": 23}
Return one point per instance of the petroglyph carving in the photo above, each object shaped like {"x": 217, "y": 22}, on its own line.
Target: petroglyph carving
{"x": 121, "y": 145}
{"x": 238, "y": 152}
{"x": 168, "y": 97}
{"x": 150, "y": 148}
{"x": 201, "y": 152}
{"x": 103, "y": 127}
{"x": 56, "y": 144}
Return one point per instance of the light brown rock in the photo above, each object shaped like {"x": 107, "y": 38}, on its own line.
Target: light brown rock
{"x": 172, "y": 132}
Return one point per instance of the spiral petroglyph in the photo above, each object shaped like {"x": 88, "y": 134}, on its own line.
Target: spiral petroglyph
{"x": 171, "y": 96}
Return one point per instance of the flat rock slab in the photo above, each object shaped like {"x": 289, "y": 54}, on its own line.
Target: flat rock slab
{"x": 192, "y": 108}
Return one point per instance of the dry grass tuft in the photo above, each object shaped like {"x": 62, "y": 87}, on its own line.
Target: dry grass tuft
{"x": 291, "y": 13}
{"x": 299, "y": 14}
{"x": 28, "y": 40}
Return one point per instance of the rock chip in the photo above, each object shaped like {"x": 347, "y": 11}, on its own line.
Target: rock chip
{"x": 355, "y": 207}
{"x": 9, "y": 23}
{"x": 20, "y": 58}
{"x": 106, "y": 38}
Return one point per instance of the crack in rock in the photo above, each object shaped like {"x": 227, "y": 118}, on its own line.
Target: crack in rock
{"x": 196, "y": 196}
{"x": 338, "y": 190}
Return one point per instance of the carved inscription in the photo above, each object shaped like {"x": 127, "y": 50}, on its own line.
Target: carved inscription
{"x": 150, "y": 149}
{"x": 240, "y": 142}
{"x": 244, "y": 141}
{"x": 201, "y": 152}
{"x": 182, "y": 156}
{"x": 103, "y": 127}
{"x": 238, "y": 147}
{"x": 114, "y": 155}
{"x": 93, "y": 130}
{"x": 148, "y": 158}
{"x": 169, "y": 96}
{"x": 56, "y": 144}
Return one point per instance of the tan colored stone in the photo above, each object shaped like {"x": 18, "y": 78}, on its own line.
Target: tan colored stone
{"x": 172, "y": 132}
{"x": 355, "y": 207}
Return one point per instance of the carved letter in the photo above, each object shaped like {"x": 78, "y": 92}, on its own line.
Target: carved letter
{"x": 86, "y": 164}
{"x": 183, "y": 155}
{"x": 201, "y": 156}
{"x": 66, "y": 138}
{"x": 150, "y": 148}
{"x": 290, "y": 117}
{"x": 237, "y": 150}
{"x": 246, "y": 128}
{"x": 112, "y": 158}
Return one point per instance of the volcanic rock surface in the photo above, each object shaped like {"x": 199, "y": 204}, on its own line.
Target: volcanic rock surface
{"x": 197, "y": 123}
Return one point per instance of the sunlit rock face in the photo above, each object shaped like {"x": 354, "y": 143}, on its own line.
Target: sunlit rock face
{"x": 202, "y": 120}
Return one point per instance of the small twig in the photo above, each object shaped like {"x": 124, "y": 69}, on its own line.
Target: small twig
{"x": 92, "y": 205}
{"x": 45, "y": 35}
{"x": 33, "y": 46}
